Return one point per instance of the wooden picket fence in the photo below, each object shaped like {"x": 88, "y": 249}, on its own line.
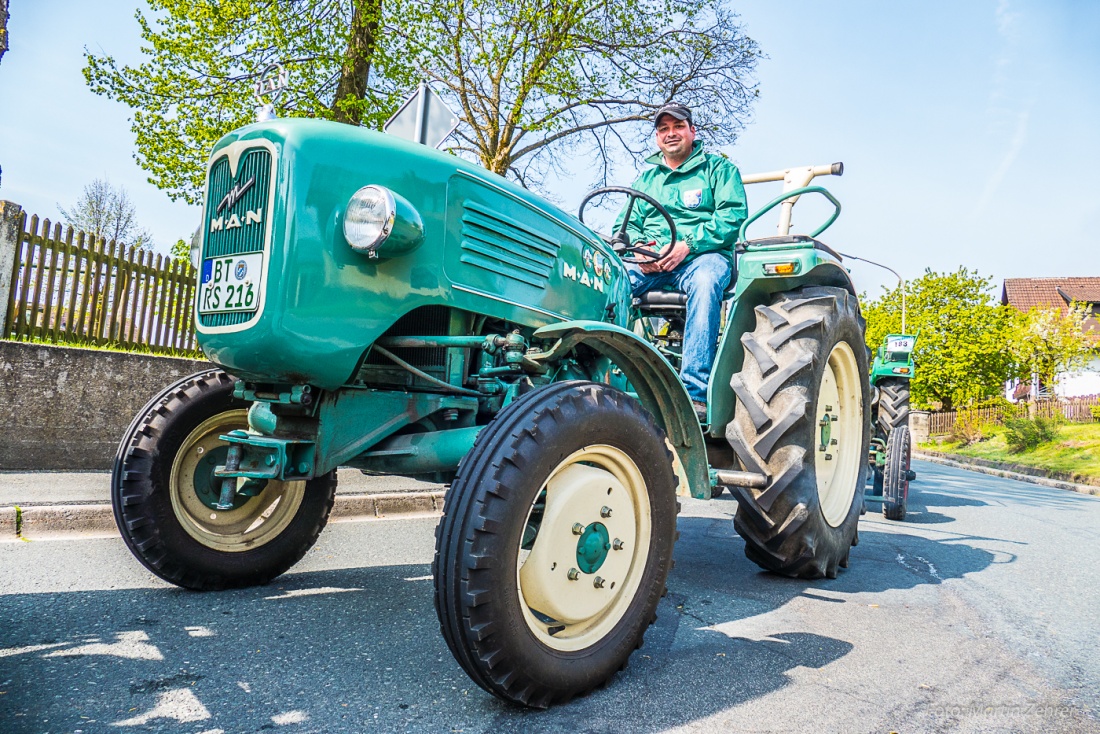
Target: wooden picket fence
{"x": 1073, "y": 410}
{"x": 73, "y": 288}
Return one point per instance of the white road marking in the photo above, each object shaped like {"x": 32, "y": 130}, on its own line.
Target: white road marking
{"x": 180, "y": 705}
{"x": 9, "y": 651}
{"x": 290, "y": 717}
{"x": 310, "y": 592}
{"x": 200, "y": 631}
{"x": 931, "y": 568}
{"x": 130, "y": 645}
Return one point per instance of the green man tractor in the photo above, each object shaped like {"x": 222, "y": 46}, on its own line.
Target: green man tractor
{"x": 891, "y": 371}
{"x": 370, "y": 303}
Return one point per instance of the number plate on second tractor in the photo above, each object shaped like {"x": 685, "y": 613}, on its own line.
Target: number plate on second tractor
{"x": 230, "y": 283}
{"x": 899, "y": 344}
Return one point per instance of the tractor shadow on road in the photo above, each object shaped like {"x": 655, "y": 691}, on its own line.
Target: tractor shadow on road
{"x": 339, "y": 650}
{"x": 918, "y": 511}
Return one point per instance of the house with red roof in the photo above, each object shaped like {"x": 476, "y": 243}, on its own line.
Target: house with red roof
{"x": 1024, "y": 294}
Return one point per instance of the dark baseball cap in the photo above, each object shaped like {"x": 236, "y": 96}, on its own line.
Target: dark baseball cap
{"x": 677, "y": 110}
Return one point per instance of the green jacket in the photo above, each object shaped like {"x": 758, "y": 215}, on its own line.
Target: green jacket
{"x": 704, "y": 196}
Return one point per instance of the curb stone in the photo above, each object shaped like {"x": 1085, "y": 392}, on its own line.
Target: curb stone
{"x": 50, "y": 521}
{"x": 1004, "y": 473}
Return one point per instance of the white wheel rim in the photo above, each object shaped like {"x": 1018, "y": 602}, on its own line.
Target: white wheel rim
{"x": 838, "y": 437}
{"x": 251, "y": 525}
{"x": 573, "y": 614}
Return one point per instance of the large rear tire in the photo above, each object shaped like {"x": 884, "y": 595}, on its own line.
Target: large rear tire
{"x": 163, "y": 491}
{"x": 801, "y": 420}
{"x": 555, "y": 543}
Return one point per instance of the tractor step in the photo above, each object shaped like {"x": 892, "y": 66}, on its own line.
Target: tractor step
{"x": 731, "y": 478}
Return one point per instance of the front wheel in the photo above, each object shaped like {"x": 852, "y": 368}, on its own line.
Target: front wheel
{"x": 555, "y": 543}
{"x": 801, "y": 420}
{"x": 896, "y": 474}
{"x": 164, "y": 494}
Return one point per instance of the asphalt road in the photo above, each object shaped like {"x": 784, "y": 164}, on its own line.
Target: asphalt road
{"x": 979, "y": 614}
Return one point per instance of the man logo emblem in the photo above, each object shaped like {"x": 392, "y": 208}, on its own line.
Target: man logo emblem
{"x": 241, "y": 270}
{"x": 693, "y": 198}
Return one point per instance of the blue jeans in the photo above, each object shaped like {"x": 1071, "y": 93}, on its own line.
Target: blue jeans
{"x": 704, "y": 280}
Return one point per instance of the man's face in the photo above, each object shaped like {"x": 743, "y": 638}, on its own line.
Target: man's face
{"x": 675, "y": 137}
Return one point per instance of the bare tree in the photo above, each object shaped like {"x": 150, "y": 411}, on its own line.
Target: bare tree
{"x": 106, "y": 211}
{"x": 539, "y": 79}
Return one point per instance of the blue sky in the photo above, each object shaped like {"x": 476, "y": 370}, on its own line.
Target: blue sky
{"x": 970, "y": 131}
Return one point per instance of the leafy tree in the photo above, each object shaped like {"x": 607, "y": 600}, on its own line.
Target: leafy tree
{"x": 3, "y": 27}
{"x": 181, "y": 251}
{"x": 106, "y": 211}
{"x": 1047, "y": 341}
{"x": 204, "y": 56}
{"x": 961, "y": 351}
{"x": 528, "y": 77}
{"x": 533, "y": 79}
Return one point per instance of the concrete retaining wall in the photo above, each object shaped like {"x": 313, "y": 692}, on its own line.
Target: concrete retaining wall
{"x": 65, "y": 409}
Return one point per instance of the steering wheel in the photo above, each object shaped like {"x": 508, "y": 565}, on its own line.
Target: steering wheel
{"x": 619, "y": 241}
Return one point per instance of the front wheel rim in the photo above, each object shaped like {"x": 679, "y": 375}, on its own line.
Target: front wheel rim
{"x": 249, "y": 525}
{"x": 579, "y": 575}
{"x": 839, "y": 433}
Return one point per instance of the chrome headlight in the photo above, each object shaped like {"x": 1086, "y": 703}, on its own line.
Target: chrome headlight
{"x": 380, "y": 223}
{"x": 369, "y": 218}
{"x": 196, "y": 247}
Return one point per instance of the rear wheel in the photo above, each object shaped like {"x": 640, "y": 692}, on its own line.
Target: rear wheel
{"x": 896, "y": 474}
{"x": 893, "y": 405}
{"x": 164, "y": 494}
{"x": 555, "y": 543}
{"x": 800, "y": 420}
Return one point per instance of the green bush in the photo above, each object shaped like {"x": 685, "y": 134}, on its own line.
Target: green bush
{"x": 1095, "y": 410}
{"x": 1024, "y": 434}
{"x": 969, "y": 428}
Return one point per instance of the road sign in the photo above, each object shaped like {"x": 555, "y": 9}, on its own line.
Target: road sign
{"x": 424, "y": 118}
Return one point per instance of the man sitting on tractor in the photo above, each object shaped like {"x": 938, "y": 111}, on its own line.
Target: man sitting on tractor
{"x": 706, "y": 199}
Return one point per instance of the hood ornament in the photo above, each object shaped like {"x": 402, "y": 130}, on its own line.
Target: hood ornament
{"x": 273, "y": 81}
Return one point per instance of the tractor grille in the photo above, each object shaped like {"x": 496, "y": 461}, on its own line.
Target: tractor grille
{"x": 424, "y": 321}
{"x": 506, "y": 247}
{"x": 237, "y": 223}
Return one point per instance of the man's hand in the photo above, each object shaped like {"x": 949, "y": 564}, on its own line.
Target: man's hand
{"x": 679, "y": 251}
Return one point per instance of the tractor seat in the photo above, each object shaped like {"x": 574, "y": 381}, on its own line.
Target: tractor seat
{"x": 670, "y": 301}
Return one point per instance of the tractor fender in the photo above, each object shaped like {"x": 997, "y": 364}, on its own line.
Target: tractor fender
{"x": 656, "y": 385}
{"x": 754, "y": 289}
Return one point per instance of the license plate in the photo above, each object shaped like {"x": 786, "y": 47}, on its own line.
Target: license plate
{"x": 899, "y": 345}
{"x": 230, "y": 283}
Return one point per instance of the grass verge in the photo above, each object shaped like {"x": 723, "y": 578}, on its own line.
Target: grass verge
{"x": 1074, "y": 455}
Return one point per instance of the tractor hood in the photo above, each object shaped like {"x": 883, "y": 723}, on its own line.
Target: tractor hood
{"x": 284, "y": 297}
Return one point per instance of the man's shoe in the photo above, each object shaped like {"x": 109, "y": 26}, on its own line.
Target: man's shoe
{"x": 700, "y": 410}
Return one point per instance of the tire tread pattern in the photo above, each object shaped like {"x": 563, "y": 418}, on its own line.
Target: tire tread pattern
{"x": 772, "y": 431}
{"x": 476, "y": 507}
{"x": 136, "y": 511}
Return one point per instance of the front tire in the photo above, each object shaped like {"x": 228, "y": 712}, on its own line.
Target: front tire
{"x": 893, "y": 405}
{"x": 801, "y": 420}
{"x": 896, "y": 474}
{"x": 163, "y": 491}
{"x": 555, "y": 543}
